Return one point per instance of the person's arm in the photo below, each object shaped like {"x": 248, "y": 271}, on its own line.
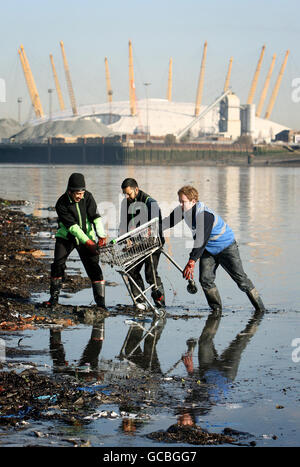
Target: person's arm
{"x": 153, "y": 209}
{"x": 96, "y": 219}
{"x": 174, "y": 218}
{"x": 204, "y": 225}
{"x": 67, "y": 218}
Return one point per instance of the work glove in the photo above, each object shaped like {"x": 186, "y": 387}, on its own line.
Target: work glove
{"x": 188, "y": 272}
{"x": 101, "y": 242}
{"x": 92, "y": 247}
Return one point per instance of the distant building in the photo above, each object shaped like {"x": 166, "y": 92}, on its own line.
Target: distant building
{"x": 288, "y": 136}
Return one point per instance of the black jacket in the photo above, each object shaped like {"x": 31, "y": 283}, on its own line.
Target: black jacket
{"x": 136, "y": 213}
{"x": 82, "y": 213}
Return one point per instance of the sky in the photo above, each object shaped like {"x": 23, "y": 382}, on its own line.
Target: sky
{"x": 159, "y": 29}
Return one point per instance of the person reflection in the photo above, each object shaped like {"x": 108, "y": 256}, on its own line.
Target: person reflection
{"x": 89, "y": 357}
{"x": 147, "y": 359}
{"x": 211, "y": 381}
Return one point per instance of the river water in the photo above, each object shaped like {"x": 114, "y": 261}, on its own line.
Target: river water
{"x": 257, "y": 359}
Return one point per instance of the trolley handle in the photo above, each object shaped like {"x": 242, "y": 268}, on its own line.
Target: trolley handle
{"x": 191, "y": 287}
{"x": 136, "y": 230}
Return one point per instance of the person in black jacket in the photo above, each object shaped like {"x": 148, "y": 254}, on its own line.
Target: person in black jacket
{"x": 136, "y": 209}
{"x": 78, "y": 219}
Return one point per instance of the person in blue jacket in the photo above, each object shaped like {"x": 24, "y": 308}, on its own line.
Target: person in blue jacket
{"x": 214, "y": 245}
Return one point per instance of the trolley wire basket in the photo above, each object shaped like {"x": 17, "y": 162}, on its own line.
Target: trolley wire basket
{"x": 130, "y": 249}
{"x": 133, "y": 247}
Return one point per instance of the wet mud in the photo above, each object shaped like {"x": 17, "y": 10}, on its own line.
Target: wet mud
{"x": 29, "y": 396}
{"x": 68, "y": 395}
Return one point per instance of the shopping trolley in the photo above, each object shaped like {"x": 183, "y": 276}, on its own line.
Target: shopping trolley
{"x": 129, "y": 250}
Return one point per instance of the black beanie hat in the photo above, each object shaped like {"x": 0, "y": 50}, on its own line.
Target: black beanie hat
{"x": 76, "y": 182}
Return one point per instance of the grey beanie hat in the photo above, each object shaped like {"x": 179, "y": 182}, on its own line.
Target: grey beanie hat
{"x": 76, "y": 182}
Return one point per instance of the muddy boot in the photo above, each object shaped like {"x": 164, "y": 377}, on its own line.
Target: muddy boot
{"x": 213, "y": 299}
{"x": 55, "y": 288}
{"x": 158, "y": 296}
{"x": 255, "y": 299}
{"x": 99, "y": 294}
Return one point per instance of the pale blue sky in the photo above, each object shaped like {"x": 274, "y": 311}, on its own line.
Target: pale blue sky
{"x": 93, "y": 29}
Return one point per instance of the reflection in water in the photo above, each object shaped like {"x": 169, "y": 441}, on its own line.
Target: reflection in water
{"x": 211, "y": 381}
{"x": 145, "y": 358}
{"x": 89, "y": 360}
{"x": 246, "y": 197}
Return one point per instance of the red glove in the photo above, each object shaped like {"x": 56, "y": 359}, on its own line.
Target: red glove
{"x": 187, "y": 359}
{"x": 188, "y": 271}
{"x": 101, "y": 242}
{"x": 91, "y": 246}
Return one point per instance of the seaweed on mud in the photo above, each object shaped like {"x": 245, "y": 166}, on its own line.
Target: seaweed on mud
{"x": 196, "y": 435}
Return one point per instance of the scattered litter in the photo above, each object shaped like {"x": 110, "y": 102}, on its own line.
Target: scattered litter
{"x": 20, "y": 414}
{"x": 113, "y": 415}
{"x": 95, "y": 388}
{"x": 50, "y": 398}
{"x": 35, "y": 253}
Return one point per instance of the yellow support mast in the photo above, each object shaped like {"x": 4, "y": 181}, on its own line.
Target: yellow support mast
{"x": 169, "y": 93}
{"x": 227, "y": 80}
{"x": 57, "y": 85}
{"x": 108, "y": 84}
{"x": 132, "y": 97}
{"x": 201, "y": 81}
{"x": 27, "y": 78}
{"x": 276, "y": 87}
{"x": 68, "y": 79}
{"x": 265, "y": 88}
{"x": 255, "y": 77}
{"x": 33, "y": 92}
{"x": 108, "y": 88}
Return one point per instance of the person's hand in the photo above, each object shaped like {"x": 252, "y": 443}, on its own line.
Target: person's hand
{"x": 187, "y": 359}
{"x": 188, "y": 272}
{"x": 101, "y": 242}
{"x": 92, "y": 247}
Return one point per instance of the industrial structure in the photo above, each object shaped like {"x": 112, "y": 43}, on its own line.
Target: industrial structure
{"x": 225, "y": 119}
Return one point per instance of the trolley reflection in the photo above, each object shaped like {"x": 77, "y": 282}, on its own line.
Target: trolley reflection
{"x": 139, "y": 346}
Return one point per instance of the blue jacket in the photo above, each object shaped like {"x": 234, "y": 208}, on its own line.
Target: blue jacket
{"x": 209, "y": 230}
{"x": 221, "y": 235}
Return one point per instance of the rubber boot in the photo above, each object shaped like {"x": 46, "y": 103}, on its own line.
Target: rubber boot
{"x": 99, "y": 294}
{"x": 158, "y": 296}
{"x": 255, "y": 299}
{"x": 213, "y": 299}
{"x": 55, "y": 288}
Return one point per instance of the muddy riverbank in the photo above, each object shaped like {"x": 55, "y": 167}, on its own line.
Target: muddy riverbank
{"x": 65, "y": 381}
{"x": 29, "y": 397}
